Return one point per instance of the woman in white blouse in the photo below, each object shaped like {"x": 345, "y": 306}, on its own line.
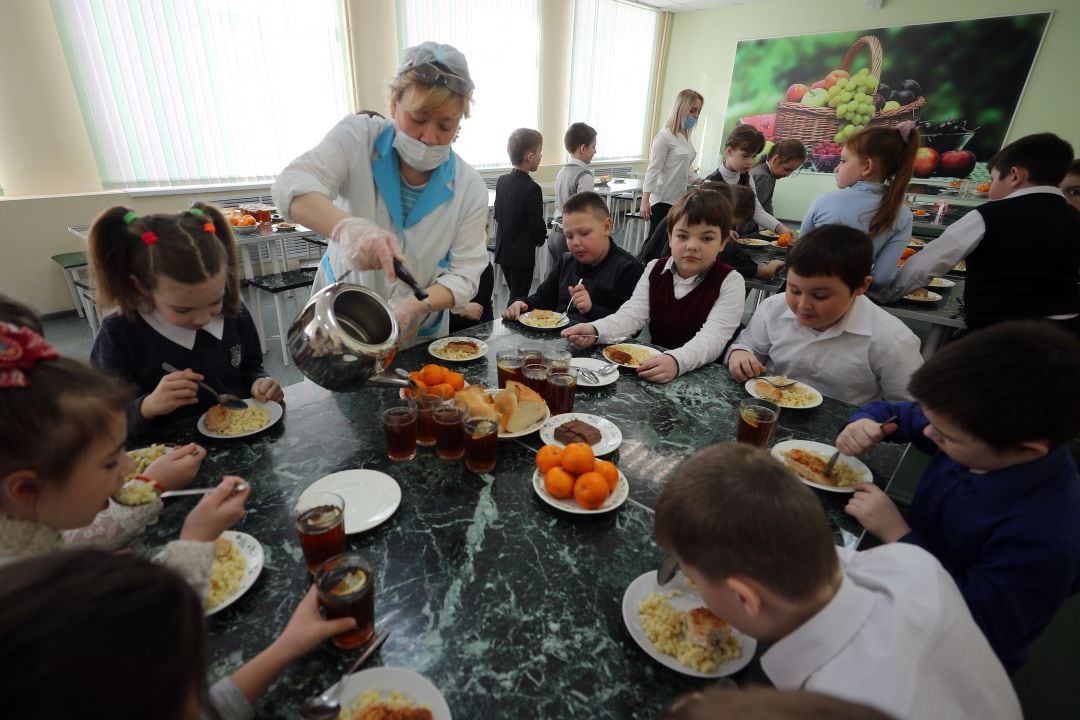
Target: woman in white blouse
{"x": 670, "y": 157}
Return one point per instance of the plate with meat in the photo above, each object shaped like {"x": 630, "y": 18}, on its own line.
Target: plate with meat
{"x": 629, "y": 355}
{"x": 922, "y": 295}
{"x": 384, "y": 693}
{"x": 544, "y": 319}
{"x": 458, "y": 349}
{"x": 603, "y": 435}
{"x": 806, "y": 459}
{"x": 798, "y": 395}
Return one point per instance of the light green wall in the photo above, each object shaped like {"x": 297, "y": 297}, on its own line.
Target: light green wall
{"x": 702, "y": 51}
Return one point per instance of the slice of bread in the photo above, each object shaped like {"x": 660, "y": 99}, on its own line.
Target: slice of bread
{"x": 529, "y": 407}
{"x": 476, "y": 403}
{"x": 506, "y": 404}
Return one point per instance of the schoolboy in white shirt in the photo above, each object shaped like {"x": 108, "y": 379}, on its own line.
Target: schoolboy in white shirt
{"x": 886, "y": 627}
{"x": 574, "y": 177}
{"x": 823, "y": 330}
{"x": 741, "y": 147}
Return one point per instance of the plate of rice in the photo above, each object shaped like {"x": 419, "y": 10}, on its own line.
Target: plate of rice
{"x": 629, "y": 355}
{"x": 458, "y": 349}
{"x": 544, "y": 319}
{"x": 941, "y": 283}
{"x": 922, "y": 295}
{"x": 808, "y": 462}
{"x": 239, "y": 423}
{"x": 376, "y": 693}
{"x": 238, "y": 560}
{"x": 657, "y": 618}
{"x": 799, "y": 396}
{"x": 752, "y": 242}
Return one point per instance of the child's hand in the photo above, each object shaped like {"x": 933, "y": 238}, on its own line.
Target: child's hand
{"x": 267, "y": 388}
{"x": 307, "y": 628}
{"x": 782, "y": 229}
{"x": 173, "y": 391}
{"x": 177, "y": 468}
{"x": 216, "y": 512}
{"x": 583, "y": 335}
{"x": 472, "y": 311}
{"x": 515, "y": 309}
{"x": 579, "y": 298}
{"x": 733, "y": 236}
{"x": 743, "y": 365}
{"x": 771, "y": 268}
{"x": 861, "y": 435}
{"x": 876, "y": 512}
{"x": 659, "y": 369}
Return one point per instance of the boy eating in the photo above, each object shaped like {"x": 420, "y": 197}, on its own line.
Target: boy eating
{"x": 519, "y": 211}
{"x": 823, "y": 330}
{"x": 574, "y": 177}
{"x": 999, "y": 504}
{"x": 885, "y": 627}
{"x": 597, "y": 274}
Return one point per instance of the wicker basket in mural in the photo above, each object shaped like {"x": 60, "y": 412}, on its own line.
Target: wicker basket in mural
{"x": 812, "y": 125}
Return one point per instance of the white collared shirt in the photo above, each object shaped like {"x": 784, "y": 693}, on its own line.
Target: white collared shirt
{"x": 897, "y": 636}
{"x": 669, "y": 170}
{"x": 706, "y": 346}
{"x": 182, "y": 336}
{"x": 867, "y": 355}
{"x": 761, "y": 217}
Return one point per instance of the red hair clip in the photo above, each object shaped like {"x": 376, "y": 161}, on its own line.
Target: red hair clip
{"x": 20, "y": 349}
{"x": 149, "y": 237}
{"x": 209, "y": 227}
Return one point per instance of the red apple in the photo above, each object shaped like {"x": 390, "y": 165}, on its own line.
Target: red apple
{"x": 795, "y": 92}
{"x": 828, "y": 82}
{"x": 926, "y": 159}
{"x": 838, "y": 73}
{"x": 820, "y": 84}
{"x": 957, "y": 163}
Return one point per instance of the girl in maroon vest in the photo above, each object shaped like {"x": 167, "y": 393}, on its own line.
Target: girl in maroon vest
{"x": 691, "y": 301}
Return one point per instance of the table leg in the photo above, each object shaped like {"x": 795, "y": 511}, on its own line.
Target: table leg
{"x": 283, "y": 325}
{"x": 69, "y": 278}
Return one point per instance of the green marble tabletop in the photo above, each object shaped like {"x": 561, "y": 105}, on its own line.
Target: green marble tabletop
{"x": 511, "y": 607}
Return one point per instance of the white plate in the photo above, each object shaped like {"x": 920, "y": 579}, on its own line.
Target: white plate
{"x": 640, "y": 588}
{"x": 371, "y": 497}
{"x": 768, "y": 233}
{"x": 252, "y": 551}
{"x": 940, "y": 282}
{"x": 386, "y": 680}
{"x": 275, "y": 410}
{"x": 753, "y": 391}
{"x": 570, "y": 505}
{"x": 245, "y": 229}
{"x": 610, "y": 434}
{"x": 524, "y": 319}
{"x": 752, "y": 242}
{"x": 776, "y": 244}
{"x": 594, "y": 364}
{"x": 482, "y": 348}
{"x": 930, "y": 297}
{"x": 916, "y": 244}
{"x": 527, "y": 431}
{"x": 653, "y": 352}
{"x": 285, "y": 227}
{"x": 780, "y": 448}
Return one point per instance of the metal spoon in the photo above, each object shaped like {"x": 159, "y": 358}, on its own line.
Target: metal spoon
{"x": 327, "y": 706}
{"x": 240, "y": 487}
{"x": 668, "y": 567}
{"x": 230, "y": 401}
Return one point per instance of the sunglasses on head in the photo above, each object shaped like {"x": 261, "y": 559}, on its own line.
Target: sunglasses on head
{"x": 434, "y": 75}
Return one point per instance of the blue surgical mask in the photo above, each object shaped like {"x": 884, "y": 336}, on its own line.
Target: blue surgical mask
{"x": 689, "y": 122}
{"x": 417, "y": 155}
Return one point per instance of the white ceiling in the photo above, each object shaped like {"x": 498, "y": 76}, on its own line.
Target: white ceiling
{"x": 689, "y": 5}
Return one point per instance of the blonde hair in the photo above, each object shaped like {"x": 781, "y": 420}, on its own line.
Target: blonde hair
{"x": 680, "y": 109}
{"x": 430, "y": 97}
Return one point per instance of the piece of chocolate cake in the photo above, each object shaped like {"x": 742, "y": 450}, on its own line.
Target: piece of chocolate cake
{"x": 577, "y": 431}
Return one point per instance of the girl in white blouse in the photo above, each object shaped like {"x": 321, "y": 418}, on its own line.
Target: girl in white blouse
{"x": 670, "y": 158}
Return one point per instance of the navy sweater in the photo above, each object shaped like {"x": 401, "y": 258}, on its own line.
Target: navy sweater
{"x": 1008, "y": 537}
{"x": 134, "y": 351}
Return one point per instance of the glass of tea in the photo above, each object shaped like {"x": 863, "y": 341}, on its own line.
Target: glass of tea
{"x": 399, "y": 421}
{"x": 535, "y": 376}
{"x": 756, "y": 421}
{"x": 557, "y": 359}
{"x": 449, "y": 431}
{"x": 320, "y": 523}
{"x": 346, "y": 586}
{"x": 509, "y": 364}
{"x": 481, "y": 444}
{"x": 560, "y": 390}
{"x": 532, "y": 353}
{"x": 425, "y": 420}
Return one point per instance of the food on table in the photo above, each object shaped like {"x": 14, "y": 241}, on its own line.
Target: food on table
{"x": 436, "y": 380}
{"x": 784, "y": 240}
{"x": 955, "y": 183}
{"x": 476, "y": 403}
{"x": 577, "y": 431}
{"x": 541, "y": 318}
{"x": 941, "y": 283}
{"x": 372, "y": 705}
{"x": 223, "y": 421}
{"x": 628, "y": 355}
{"x": 922, "y": 295}
{"x": 457, "y": 350}
{"x": 768, "y": 391}
{"x": 921, "y": 212}
{"x": 810, "y": 466}
{"x": 573, "y": 471}
{"x": 985, "y": 187}
{"x": 668, "y": 629}
{"x": 519, "y": 406}
{"x": 591, "y": 490}
{"x": 916, "y": 242}
{"x": 284, "y": 226}
{"x": 226, "y": 572}
{"x": 791, "y": 396}
{"x": 960, "y": 266}
{"x": 217, "y": 418}
{"x": 908, "y": 252}
{"x": 237, "y": 220}
{"x": 143, "y": 457}
{"x": 135, "y": 492}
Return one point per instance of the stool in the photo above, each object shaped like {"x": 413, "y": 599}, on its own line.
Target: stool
{"x": 276, "y": 284}
{"x": 88, "y": 302}
{"x": 71, "y": 263}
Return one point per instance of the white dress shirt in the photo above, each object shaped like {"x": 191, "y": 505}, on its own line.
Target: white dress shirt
{"x": 896, "y": 636}
{"x": 761, "y": 217}
{"x": 669, "y": 170}
{"x": 867, "y": 355}
{"x": 706, "y": 346}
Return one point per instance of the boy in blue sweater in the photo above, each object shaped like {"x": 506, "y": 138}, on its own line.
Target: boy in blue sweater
{"x": 999, "y": 504}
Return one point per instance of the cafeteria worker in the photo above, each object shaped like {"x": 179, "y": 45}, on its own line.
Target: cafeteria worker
{"x": 382, "y": 188}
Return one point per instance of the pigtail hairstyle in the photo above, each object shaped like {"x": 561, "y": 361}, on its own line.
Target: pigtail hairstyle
{"x": 128, "y": 254}
{"x": 893, "y": 150}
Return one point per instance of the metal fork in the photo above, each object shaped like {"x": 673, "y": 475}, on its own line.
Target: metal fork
{"x": 779, "y": 386}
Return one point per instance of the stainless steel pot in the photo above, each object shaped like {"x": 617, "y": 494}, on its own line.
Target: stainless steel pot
{"x": 344, "y": 339}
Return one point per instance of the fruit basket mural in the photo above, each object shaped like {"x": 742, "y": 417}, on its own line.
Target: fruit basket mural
{"x": 960, "y": 81}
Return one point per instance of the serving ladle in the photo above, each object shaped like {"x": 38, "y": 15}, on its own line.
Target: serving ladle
{"x": 327, "y": 706}
{"x": 230, "y": 401}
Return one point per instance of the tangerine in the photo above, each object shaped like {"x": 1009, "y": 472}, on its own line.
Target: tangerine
{"x": 248, "y": 221}
{"x": 610, "y": 473}
{"x": 908, "y": 252}
{"x": 454, "y": 379}
{"x": 548, "y": 457}
{"x": 433, "y": 374}
{"x": 559, "y": 483}
{"x": 443, "y": 390}
{"x": 591, "y": 490}
{"x": 578, "y": 458}
{"x": 234, "y": 220}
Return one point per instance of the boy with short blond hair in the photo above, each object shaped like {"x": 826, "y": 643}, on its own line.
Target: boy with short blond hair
{"x": 519, "y": 211}
{"x": 574, "y": 177}
{"x": 999, "y": 504}
{"x": 886, "y": 627}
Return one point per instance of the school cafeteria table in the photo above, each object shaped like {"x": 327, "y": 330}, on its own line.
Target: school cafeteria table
{"x": 941, "y": 315}
{"x": 509, "y": 606}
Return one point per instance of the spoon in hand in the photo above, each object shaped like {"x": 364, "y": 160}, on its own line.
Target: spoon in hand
{"x": 230, "y": 401}
{"x": 327, "y": 706}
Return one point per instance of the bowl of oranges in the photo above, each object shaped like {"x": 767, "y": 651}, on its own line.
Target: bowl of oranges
{"x": 571, "y": 479}
{"x": 243, "y": 224}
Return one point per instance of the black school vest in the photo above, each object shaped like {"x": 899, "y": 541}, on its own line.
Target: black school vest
{"x": 673, "y": 323}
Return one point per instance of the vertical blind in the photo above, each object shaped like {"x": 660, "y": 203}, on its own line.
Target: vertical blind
{"x": 611, "y": 74}
{"x": 204, "y": 91}
{"x": 501, "y": 42}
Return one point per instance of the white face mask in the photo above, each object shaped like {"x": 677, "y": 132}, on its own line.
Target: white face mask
{"x": 417, "y": 155}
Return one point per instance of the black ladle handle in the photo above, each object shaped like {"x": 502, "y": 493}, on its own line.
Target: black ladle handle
{"x": 399, "y": 269}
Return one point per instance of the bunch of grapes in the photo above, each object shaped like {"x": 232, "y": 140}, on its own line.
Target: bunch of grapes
{"x": 853, "y": 99}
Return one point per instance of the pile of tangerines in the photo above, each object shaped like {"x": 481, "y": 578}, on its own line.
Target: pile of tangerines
{"x": 242, "y": 221}
{"x": 574, "y": 472}
{"x": 437, "y": 380}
